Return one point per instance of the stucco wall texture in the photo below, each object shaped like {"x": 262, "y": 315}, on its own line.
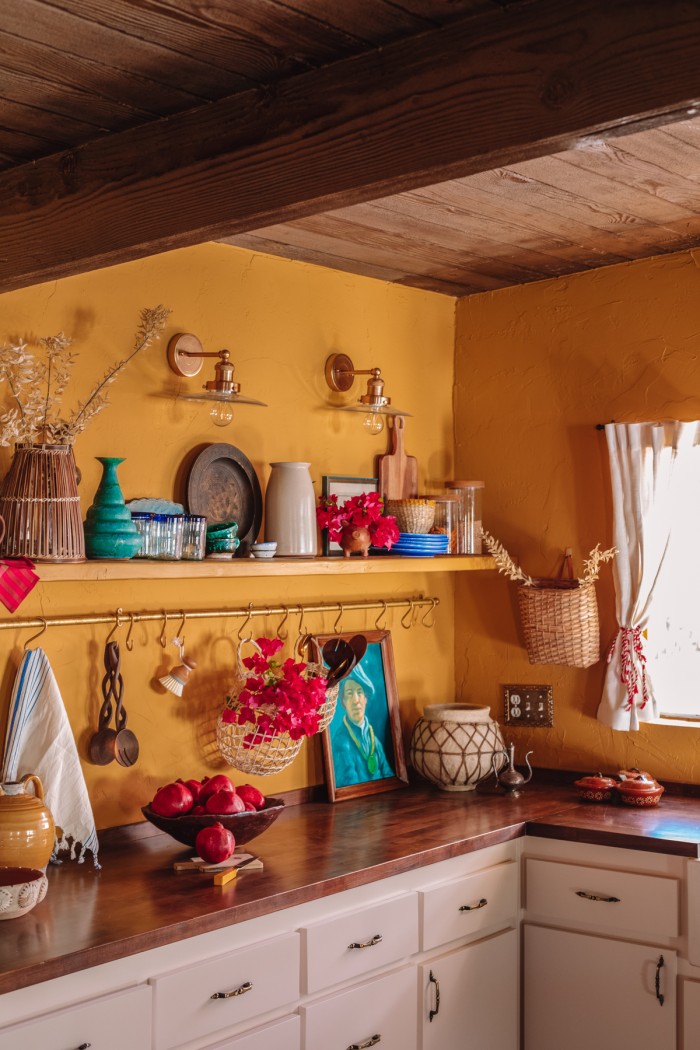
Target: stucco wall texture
{"x": 536, "y": 368}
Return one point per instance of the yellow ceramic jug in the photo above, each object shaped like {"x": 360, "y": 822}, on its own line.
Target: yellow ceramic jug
{"x": 26, "y": 826}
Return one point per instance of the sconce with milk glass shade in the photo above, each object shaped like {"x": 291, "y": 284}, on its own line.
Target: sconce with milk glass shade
{"x": 373, "y": 404}
{"x": 222, "y": 393}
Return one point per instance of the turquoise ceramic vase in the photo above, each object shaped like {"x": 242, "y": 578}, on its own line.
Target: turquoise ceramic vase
{"x": 109, "y": 530}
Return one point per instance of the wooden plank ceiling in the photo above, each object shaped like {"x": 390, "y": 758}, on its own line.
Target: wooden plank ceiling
{"x": 131, "y": 126}
{"x": 602, "y": 203}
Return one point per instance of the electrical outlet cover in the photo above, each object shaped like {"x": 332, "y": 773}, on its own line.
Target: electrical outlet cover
{"x": 528, "y": 705}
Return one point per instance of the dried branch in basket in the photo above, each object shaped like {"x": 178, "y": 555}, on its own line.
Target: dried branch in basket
{"x": 591, "y": 566}
{"x": 37, "y": 386}
{"x": 504, "y": 562}
{"x": 506, "y": 565}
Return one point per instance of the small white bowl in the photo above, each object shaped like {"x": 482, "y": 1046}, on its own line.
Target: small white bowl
{"x": 268, "y": 545}
{"x": 20, "y": 890}
{"x": 257, "y": 553}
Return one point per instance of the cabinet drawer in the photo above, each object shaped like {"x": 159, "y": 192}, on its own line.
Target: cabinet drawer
{"x": 451, "y": 910}
{"x": 199, "y": 1000}
{"x": 280, "y": 1035}
{"x": 385, "y": 1007}
{"x": 352, "y": 945}
{"x": 109, "y": 1022}
{"x": 645, "y": 905}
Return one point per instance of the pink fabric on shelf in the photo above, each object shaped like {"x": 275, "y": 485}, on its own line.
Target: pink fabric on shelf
{"x": 17, "y": 579}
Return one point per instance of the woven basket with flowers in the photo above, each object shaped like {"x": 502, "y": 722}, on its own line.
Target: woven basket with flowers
{"x": 271, "y": 708}
{"x": 559, "y": 616}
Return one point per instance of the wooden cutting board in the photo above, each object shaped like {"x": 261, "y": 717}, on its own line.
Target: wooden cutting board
{"x": 397, "y": 472}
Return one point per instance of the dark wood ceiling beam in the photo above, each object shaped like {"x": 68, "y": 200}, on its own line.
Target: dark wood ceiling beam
{"x": 530, "y": 80}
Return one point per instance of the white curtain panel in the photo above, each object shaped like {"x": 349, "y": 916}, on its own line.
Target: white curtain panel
{"x": 650, "y": 466}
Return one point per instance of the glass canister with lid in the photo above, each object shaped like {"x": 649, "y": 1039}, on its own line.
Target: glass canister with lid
{"x": 470, "y": 509}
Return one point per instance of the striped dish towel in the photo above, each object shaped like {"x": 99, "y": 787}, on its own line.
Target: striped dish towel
{"x": 40, "y": 740}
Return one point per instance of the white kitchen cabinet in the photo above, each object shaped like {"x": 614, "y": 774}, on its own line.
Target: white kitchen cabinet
{"x": 690, "y": 1015}
{"x": 108, "y": 1022}
{"x": 469, "y": 996}
{"x": 284, "y": 1034}
{"x": 225, "y": 991}
{"x": 381, "y": 1011}
{"x": 581, "y": 990}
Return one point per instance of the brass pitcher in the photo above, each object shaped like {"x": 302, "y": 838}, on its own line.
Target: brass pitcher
{"x": 27, "y": 828}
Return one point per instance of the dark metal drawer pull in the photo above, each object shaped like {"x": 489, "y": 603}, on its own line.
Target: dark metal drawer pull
{"x": 84, "y": 1046}
{"x": 247, "y": 987}
{"x": 659, "y": 966}
{"x": 596, "y": 897}
{"x": 474, "y": 907}
{"x": 433, "y": 980}
{"x": 372, "y": 1041}
{"x": 377, "y": 939}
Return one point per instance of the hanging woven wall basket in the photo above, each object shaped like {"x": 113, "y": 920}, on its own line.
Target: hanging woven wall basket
{"x": 558, "y": 616}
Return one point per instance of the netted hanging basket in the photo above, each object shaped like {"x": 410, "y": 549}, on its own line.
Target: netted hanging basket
{"x": 559, "y": 617}
{"x": 254, "y": 749}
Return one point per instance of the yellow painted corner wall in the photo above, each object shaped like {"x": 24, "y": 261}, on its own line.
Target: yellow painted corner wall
{"x": 537, "y": 367}
{"x": 280, "y": 320}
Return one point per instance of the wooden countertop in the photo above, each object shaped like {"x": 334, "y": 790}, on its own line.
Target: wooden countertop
{"x": 136, "y": 901}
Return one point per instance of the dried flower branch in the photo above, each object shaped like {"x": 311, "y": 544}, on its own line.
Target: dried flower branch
{"x": 591, "y": 566}
{"x": 38, "y": 386}
{"x": 504, "y": 562}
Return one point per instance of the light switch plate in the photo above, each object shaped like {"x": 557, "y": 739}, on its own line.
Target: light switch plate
{"x": 528, "y": 705}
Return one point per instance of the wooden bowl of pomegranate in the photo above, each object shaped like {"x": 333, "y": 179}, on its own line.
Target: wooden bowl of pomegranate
{"x": 244, "y": 826}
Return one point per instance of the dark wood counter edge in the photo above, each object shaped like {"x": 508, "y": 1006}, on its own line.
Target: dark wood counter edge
{"x": 545, "y": 813}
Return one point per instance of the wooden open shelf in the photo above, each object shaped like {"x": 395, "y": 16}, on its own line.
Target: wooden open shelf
{"x": 252, "y": 568}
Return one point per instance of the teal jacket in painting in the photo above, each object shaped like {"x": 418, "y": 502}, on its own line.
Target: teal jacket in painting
{"x": 358, "y": 754}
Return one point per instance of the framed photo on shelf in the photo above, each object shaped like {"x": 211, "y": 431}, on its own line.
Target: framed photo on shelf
{"x": 362, "y": 747}
{"x": 343, "y": 486}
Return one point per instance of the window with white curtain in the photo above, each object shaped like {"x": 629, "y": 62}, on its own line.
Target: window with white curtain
{"x": 673, "y": 631}
{"x": 653, "y": 672}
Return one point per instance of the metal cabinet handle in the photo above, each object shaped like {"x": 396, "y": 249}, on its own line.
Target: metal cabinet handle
{"x": 657, "y": 983}
{"x": 474, "y": 907}
{"x": 372, "y": 1041}
{"x": 377, "y": 939}
{"x": 433, "y": 980}
{"x": 84, "y": 1046}
{"x": 596, "y": 897}
{"x": 247, "y": 987}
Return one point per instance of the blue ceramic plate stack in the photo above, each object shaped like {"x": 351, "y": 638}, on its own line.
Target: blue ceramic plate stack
{"x": 421, "y": 544}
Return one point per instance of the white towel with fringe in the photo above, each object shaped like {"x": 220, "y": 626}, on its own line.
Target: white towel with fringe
{"x": 40, "y": 740}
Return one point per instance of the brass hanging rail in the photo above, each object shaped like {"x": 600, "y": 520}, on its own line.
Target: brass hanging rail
{"x": 125, "y": 618}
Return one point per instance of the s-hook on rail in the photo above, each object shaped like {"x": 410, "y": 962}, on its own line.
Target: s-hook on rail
{"x": 122, "y": 618}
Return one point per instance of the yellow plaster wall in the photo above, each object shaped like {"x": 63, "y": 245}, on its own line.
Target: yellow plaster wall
{"x": 280, "y": 320}
{"x": 536, "y": 368}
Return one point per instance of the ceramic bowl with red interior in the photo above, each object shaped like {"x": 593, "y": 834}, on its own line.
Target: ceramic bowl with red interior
{"x": 595, "y": 787}
{"x": 244, "y": 826}
{"x": 639, "y": 790}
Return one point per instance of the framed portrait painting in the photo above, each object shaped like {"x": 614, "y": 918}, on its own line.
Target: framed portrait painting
{"x": 363, "y": 747}
{"x": 343, "y": 486}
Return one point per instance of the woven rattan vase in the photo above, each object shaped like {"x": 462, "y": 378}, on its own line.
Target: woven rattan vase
{"x": 453, "y": 745}
{"x": 41, "y": 507}
{"x": 560, "y": 625}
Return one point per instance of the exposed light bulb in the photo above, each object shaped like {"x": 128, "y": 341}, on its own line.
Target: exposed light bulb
{"x": 221, "y": 413}
{"x": 373, "y": 423}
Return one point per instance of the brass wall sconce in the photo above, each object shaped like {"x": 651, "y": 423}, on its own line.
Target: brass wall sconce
{"x": 374, "y": 404}
{"x": 186, "y": 359}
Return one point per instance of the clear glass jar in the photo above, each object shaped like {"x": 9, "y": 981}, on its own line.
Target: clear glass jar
{"x": 469, "y": 526}
{"x": 143, "y": 526}
{"x": 446, "y": 519}
{"x": 158, "y": 544}
{"x": 194, "y": 537}
{"x": 171, "y": 540}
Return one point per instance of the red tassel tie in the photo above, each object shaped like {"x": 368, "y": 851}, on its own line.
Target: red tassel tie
{"x": 632, "y": 644}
